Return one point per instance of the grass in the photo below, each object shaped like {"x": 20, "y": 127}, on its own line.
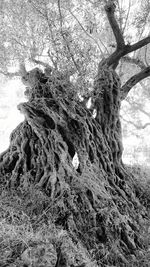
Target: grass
{"x": 28, "y": 233}
{"x": 22, "y": 227}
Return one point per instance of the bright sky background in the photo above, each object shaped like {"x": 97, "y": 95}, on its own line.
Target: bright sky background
{"x": 11, "y": 94}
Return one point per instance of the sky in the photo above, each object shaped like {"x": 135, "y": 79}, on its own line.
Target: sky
{"x": 11, "y": 94}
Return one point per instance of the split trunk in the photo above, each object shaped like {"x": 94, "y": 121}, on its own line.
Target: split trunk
{"x": 93, "y": 199}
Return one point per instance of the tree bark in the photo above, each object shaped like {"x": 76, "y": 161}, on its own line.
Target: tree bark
{"x": 122, "y": 49}
{"x": 94, "y": 201}
{"x": 133, "y": 81}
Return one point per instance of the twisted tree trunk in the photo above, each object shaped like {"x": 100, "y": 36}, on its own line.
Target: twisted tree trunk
{"x": 95, "y": 201}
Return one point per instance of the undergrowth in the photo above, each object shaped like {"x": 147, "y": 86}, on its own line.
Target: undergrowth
{"x": 141, "y": 180}
{"x": 29, "y": 237}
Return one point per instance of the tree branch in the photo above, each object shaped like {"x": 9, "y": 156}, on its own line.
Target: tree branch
{"x": 145, "y": 125}
{"x": 126, "y": 20}
{"x": 137, "y": 126}
{"x": 126, "y": 49}
{"x": 110, "y": 10}
{"x": 138, "y": 44}
{"x": 64, "y": 38}
{"x": 133, "y": 81}
{"x": 91, "y": 37}
{"x": 137, "y": 106}
{"x": 122, "y": 48}
{"x": 51, "y": 37}
{"x": 135, "y": 61}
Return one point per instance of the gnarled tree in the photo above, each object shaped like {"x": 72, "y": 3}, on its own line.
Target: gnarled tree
{"x": 95, "y": 202}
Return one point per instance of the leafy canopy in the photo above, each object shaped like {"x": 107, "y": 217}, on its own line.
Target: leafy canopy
{"x": 68, "y": 34}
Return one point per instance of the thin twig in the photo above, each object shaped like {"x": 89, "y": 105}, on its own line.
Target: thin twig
{"x": 135, "y": 61}
{"x": 88, "y": 33}
{"x": 145, "y": 56}
{"x": 66, "y": 42}
{"x": 125, "y": 24}
{"x": 137, "y": 126}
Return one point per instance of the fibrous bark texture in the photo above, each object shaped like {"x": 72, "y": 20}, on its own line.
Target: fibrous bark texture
{"x": 93, "y": 201}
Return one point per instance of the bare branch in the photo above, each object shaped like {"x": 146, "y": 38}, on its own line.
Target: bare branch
{"x": 126, "y": 49}
{"x": 51, "y": 38}
{"x": 138, "y": 45}
{"x": 135, "y": 61}
{"x": 87, "y": 32}
{"x": 144, "y": 112}
{"x": 138, "y": 107}
{"x": 110, "y": 10}
{"x": 145, "y": 56}
{"x": 137, "y": 126}
{"x": 133, "y": 81}
{"x": 36, "y": 8}
{"x": 122, "y": 48}
{"x": 145, "y": 125}
{"x": 66, "y": 42}
{"x": 125, "y": 24}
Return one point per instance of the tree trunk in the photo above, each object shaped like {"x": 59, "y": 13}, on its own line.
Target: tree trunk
{"x": 94, "y": 201}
